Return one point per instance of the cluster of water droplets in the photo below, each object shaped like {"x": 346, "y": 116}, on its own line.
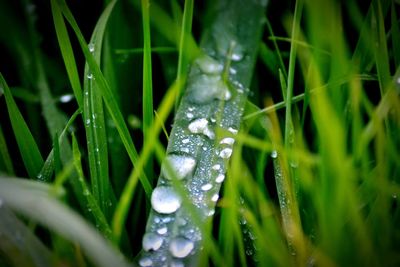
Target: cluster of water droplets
{"x": 206, "y": 83}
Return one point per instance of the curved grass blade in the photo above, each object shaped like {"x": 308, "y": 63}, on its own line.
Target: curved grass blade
{"x": 67, "y": 53}
{"x": 19, "y": 245}
{"x": 93, "y": 116}
{"x": 106, "y": 92}
{"x": 36, "y": 201}
{"x": 202, "y": 137}
{"x": 28, "y": 148}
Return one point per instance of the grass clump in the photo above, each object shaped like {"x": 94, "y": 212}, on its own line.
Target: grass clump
{"x": 283, "y": 148}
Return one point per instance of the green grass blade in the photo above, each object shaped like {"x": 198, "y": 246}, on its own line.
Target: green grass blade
{"x": 36, "y": 201}
{"x": 121, "y": 211}
{"x": 92, "y": 202}
{"x": 231, "y": 44}
{"x": 107, "y": 94}
{"x": 93, "y": 116}
{"x": 28, "y": 148}
{"x": 167, "y": 27}
{"x": 395, "y": 34}
{"x": 67, "y": 53}
{"x": 183, "y": 59}
{"x": 147, "y": 72}
{"x": 380, "y": 48}
{"x": 48, "y": 167}
{"x": 5, "y": 155}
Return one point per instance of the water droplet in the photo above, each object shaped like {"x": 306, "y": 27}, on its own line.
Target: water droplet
{"x": 220, "y": 178}
{"x": 181, "y": 247}
{"x": 232, "y": 130}
{"x": 215, "y": 198}
{"x": 30, "y": 8}
{"x": 89, "y": 76}
{"x": 91, "y": 47}
{"x": 232, "y": 71}
{"x": 162, "y": 230}
{"x": 165, "y": 200}
{"x": 201, "y": 126}
{"x": 204, "y": 148}
{"x": 66, "y": 98}
{"x": 227, "y": 141}
{"x": 205, "y": 88}
{"x": 185, "y": 141}
{"x": 152, "y": 241}
{"x": 210, "y": 212}
{"x": 176, "y": 263}
{"x": 274, "y": 154}
{"x": 206, "y": 187}
{"x": 209, "y": 65}
{"x": 181, "y": 166}
{"x": 216, "y": 167}
{"x": 145, "y": 262}
{"x": 181, "y": 221}
{"x": 226, "y": 153}
{"x": 189, "y": 115}
{"x": 237, "y": 56}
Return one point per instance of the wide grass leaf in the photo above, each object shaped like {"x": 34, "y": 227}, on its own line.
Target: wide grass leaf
{"x": 37, "y": 202}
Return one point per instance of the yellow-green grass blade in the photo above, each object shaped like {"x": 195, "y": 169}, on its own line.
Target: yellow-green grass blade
{"x": 28, "y": 148}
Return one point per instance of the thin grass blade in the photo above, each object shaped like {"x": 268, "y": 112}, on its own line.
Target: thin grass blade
{"x": 28, "y": 148}
{"x": 95, "y": 126}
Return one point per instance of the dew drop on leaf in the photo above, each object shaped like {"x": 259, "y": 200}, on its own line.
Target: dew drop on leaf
{"x": 165, "y": 200}
{"x": 226, "y": 153}
{"x": 181, "y": 247}
{"x": 151, "y": 241}
{"x": 220, "y": 178}
{"x": 144, "y": 262}
{"x": 181, "y": 166}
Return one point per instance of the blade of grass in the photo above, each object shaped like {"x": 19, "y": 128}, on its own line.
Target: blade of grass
{"x": 106, "y": 92}
{"x": 122, "y": 208}
{"x": 19, "y": 244}
{"x": 28, "y": 148}
{"x": 183, "y": 59}
{"x": 48, "y": 167}
{"x": 92, "y": 202}
{"x": 380, "y": 47}
{"x": 95, "y": 127}
{"x": 233, "y": 44}
{"x": 147, "y": 87}
{"x": 395, "y": 34}
{"x": 67, "y": 53}
{"x": 5, "y": 155}
{"x": 35, "y": 201}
